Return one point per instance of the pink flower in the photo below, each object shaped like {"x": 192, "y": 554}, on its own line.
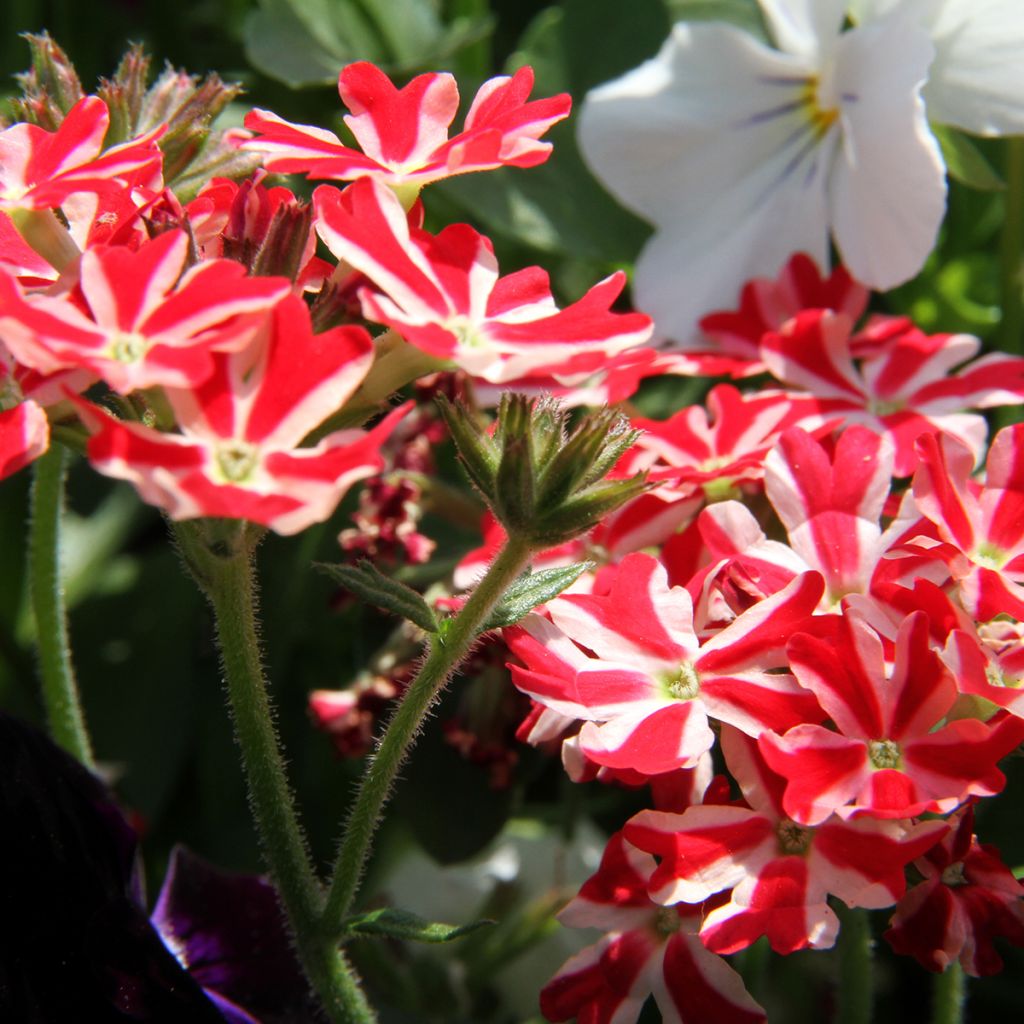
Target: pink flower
{"x": 238, "y": 452}
{"x": 404, "y": 132}
{"x": 443, "y": 294}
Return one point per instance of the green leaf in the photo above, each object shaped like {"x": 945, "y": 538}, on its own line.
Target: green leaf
{"x": 371, "y": 585}
{"x": 965, "y": 162}
{"x": 744, "y": 14}
{"x": 532, "y": 590}
{"x": 279, "y": 44}
{"x": 391, "y": 923}
{"x": 307, "y": 42}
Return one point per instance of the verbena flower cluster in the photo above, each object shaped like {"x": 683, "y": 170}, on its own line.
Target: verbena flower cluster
{"x": 804, "y": 636}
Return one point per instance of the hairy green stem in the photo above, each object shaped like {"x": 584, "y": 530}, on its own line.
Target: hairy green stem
{"x": 224, "y": 571}
{"x": 856, "y": 968}
{"x": 60, "y": 689}
{"x": 445, "y": 653}
{"x": 949, "y": 995}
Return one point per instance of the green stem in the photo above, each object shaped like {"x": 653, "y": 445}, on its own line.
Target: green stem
{"x": 223, "y": 568}
{"x": 446, "y": 652}
{"x": 949, "y": 995}
{"x": 60, "y": 690}
{"x": 1011, "y": 255}
{"x": 856, "y": 968}
{"x": 47, "y": 236}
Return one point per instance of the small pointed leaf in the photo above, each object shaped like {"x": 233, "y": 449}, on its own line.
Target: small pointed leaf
{"x": 370, "y": 584}
{"x": 531, "y": 590}
{"x": 390, "y": 923}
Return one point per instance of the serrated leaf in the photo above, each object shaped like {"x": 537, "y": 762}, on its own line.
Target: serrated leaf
{"x": 391, "y": 923}
{"x": 531, "y": 590}
{"x": 371, "y": 585}
{"x": 965, "y": 162}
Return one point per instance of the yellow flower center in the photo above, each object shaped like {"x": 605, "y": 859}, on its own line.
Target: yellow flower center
{"x": 236, "y": 461}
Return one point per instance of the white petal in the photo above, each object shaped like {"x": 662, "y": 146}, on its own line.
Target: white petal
{"x": 689, "y": 121}
{"x": 712, "y": 140}
{"x": 806, "y": 27}
{"x": 688, "y": 270}
{"x": 977, "y": 80}
{"x": 888, "y": 188}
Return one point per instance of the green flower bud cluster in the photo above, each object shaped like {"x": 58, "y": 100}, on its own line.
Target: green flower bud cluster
{"x": 543, "y": 480}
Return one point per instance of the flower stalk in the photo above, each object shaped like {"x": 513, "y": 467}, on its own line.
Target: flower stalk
{"x": 219, "y": 555}
{"x": 1011, "y": 256}
{"x": 949, "y": 995}
{"x": 856, "y": 968}
{"x": 59, "y": 686}
{"x": 447, "y": 649}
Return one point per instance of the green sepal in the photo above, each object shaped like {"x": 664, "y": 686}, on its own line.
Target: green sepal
{"x": 477, "y": 452}
{"x": 965, "y": 162}
{"x": 371, "y": 585}
{"x": 531, "y": 590}
{"x": 585, "y": 510}
{"x": 515, "y": 486}
{"x": 390, "y": 923}
{"x": 591, "y": 450}
{"x": 50, "y": 88}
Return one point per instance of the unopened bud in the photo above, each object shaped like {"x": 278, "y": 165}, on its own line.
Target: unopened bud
{"x": 50, "y": 88}
{"x": 543, "y": 483}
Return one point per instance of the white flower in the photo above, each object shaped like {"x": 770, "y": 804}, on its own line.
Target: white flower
{"x": 740, "y": 154}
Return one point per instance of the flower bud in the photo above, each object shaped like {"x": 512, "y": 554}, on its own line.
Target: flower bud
{"x": 50, "y": 88}
{"x": 542, "y": 482}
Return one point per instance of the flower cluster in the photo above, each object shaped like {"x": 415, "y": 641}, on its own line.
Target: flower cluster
{"x": 228, "y": 368}
{"x": 859, "y": 680}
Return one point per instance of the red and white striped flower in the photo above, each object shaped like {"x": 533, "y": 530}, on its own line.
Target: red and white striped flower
{"x": 40, "y": 169}
{"x": 766, "y": 303}
{"x": 700, "y": 454}
{"x": 981, "y": 525}
{"x": 831, "y": 502}
{"x": 647, "y": 950}
{"x": 630, "y": 664}
{"x": 968, "y": 898}
{"x": 238, "y": 453}
{"x": 777, "y": 872}
{"x": 404, "y": 132}
{"x": 24, "y": 434}
{"x": 890, "y": 755}
{"x": 442, "y": 293}
{"x": 902, "y": 388}
{"x": 138, "y": 318}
